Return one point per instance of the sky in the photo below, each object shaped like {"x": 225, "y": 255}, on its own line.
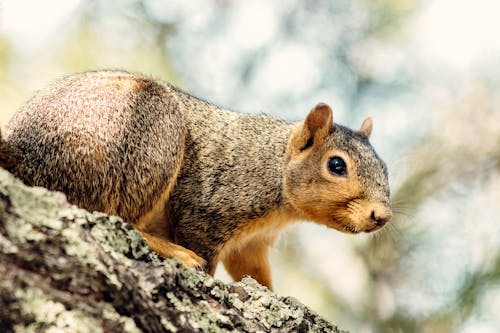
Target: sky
{"x": 459, "y": 33}
{"x": 456, "y": 33}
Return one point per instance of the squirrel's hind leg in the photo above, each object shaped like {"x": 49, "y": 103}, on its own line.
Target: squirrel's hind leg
{"x": 250, "y": 259}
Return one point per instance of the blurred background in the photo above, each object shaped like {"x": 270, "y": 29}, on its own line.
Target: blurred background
{"x": 428, "y": 72}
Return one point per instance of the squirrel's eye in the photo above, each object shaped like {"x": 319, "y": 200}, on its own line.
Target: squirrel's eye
{"x": 337, "y": 166}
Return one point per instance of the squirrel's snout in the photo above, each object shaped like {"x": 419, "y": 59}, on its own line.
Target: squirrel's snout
{"x": 368, "y": 216}
{"x": 380, "y": 219}
{"x": 380, "y": 215}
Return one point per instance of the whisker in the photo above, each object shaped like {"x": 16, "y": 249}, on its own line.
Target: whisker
{"x": 386, "y": 232}
{"x": 375, "y": 239}
{"x": 379, "y": 250}
{"x": 402, "y": 203}
{"x": 394, "y": 227}
{"x": 398, "y": 212}
{"x": 403, "y": 206}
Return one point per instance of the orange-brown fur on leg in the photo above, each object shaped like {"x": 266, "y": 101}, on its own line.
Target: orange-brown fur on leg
{"x": 246, "y": 253}
{"x": 168, "y": 249}
{"x": 252, "y": 259}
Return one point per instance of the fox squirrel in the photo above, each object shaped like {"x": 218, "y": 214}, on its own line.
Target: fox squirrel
{"x": 200, "y": 183}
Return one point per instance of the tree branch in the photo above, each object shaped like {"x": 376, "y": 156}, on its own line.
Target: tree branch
{"x": 63, "y": 267}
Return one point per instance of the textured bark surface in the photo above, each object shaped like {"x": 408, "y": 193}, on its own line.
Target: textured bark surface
{"x": 63, "y": 269}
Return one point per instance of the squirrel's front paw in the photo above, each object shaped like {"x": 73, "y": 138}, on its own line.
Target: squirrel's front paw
{"x": 168, "y": 249}
{"x": 191, "y": 259}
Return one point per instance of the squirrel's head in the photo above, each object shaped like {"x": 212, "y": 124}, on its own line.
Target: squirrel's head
{"x": 334, "y": 177}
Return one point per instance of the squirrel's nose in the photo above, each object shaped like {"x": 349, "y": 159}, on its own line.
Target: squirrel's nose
{"x": 380, "y": 216}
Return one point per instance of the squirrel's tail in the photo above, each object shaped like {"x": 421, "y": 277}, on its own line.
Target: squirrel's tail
{"x": 6, "y": 156}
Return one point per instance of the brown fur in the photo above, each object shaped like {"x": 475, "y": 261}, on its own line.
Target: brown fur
{"x": 7, "y": 157}
{"x": 200, "y": 183}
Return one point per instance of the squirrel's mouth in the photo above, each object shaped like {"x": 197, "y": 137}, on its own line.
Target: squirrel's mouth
{"x": 349, "y": 229}
{"x": 373, "y": 228}
{"x": 342, "y": 224}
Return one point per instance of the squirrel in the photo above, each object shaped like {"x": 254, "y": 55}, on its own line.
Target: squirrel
{"x": 200, "y": 183}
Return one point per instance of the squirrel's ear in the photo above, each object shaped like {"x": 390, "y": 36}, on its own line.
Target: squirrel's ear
{"x": 316, "y": 128}
{"x": 366, "y": 127}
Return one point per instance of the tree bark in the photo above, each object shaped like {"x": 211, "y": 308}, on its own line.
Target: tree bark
{"x": 63, "y": 269}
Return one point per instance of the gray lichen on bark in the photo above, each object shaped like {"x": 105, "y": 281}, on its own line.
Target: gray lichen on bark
{"x": 63, "y": 269}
